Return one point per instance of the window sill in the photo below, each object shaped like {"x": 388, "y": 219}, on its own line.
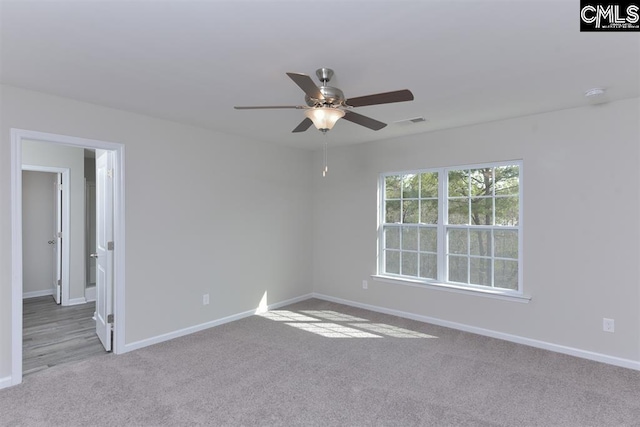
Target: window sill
{"x": 488, "y": 293}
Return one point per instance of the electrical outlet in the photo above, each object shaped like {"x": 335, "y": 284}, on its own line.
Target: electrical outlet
{"x": 608, "y": 325}
{"x": 365, "y": 284}
{"x": 205, "y": 299}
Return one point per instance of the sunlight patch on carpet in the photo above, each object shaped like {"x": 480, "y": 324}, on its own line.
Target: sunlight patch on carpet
{"x": 288, "y": 316}
{"x": 339, "y": 325}
{"x": 333, "y": 316}
{"x": 333, "y": 330}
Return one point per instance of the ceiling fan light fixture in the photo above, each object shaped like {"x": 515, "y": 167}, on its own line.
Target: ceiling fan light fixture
{"x": 324, "y": 118}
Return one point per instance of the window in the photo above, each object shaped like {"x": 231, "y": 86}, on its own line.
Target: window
{"x": 458, "y": 226}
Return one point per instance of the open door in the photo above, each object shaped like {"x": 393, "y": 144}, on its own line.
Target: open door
{"x": 56, "y": 242}
{"x": 104, "y": 246}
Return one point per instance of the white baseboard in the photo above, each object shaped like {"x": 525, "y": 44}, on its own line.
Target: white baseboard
{"x": 6, "y": 382}
{"x": 287, "y": 302}
{"x": 90, "y": 293}
{"x": 584, "y": 354}
{"x": 76, "y": 301}
{"x": 197, "y": 328}
{"x": 34, "y": 294}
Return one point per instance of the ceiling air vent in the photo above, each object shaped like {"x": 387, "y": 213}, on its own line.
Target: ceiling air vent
{"x": 411, "y": 121}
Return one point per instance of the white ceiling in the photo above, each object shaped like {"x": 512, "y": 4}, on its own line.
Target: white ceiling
{"x": 192, "y": 61}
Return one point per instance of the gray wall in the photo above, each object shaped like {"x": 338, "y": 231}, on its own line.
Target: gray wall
{"x": 205, "y": 213}
{"x": 581, "y": 229}
{"x": 36, "y": 153}
{"x": 212, "y": 213}
{"x": 37, "y": 230}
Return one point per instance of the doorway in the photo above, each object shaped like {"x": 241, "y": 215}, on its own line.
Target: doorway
{"x": 57, "y": 329}
{"x": 42, "y": 260}
{"x": 115, "y": 292}
{"x": 45, "y": 214}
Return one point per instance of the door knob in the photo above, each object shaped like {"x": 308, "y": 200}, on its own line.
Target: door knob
{"x": 93, "y": 255}
{"x": 51, "y": 242}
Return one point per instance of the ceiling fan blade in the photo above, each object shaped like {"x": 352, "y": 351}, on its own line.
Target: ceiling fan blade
{"x": 268, "y": 107}
{"x": 381, "y": 98}
{"x": 365, "y": 121}
{"x": 307, "y": 85}
{"x": 304, "y": 125}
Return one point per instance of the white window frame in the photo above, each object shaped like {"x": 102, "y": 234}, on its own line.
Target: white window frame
{"x": 442, "y": 226}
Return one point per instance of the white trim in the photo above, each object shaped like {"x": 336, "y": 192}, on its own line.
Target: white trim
{"x": 584, "y": 354}
{"x": 197, "y": 328}
{"x": 76, "y": 301}
{"x": 186, "y": 331}
{"x": 447, "y": 287}
{"x": 66, "y": 225}
{"x": 119, "y": 251}
{"x": 17, "y": 135}
{"x": 276, "y": 305}
{"x": 35, "y": 294}
{"x": 16, "y": 257}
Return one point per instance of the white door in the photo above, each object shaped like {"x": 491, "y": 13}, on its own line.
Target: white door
{"x": 57, "y": 238}
{"x": 104, "y": 246}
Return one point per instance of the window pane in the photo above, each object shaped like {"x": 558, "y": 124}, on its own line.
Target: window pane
{"x": 458, "y": 183}
{"x": 410, "y": 238}
{"x": 410, "y": 212}
{"x": 428, "y": 239}
{"x": 482, "y": 182}
{"x": 507, "y": 179}
{"x": 392, "y": 186}
{"x": 506, "y": 243}
{"x": 506, "y": 273}
{"x": 429, "y": 211}
{"x": 429, "y": 184}
{"x": 481, "y": 271}
{"x": 392, "y": 237}
{"x": 392, "y": 211}
{"x": 392, "y": 262}
{"x": 410, "y": 186}
{"x": 480, "y": 242}
{"x": 458, "y": 241}
{"x": 429, "y": 266}
{"x": 482, "y": 211}
{"x": 458, "y": 269}
{"x": 409, "y": 264}
{"x": 458, "y": 211}
{"x": 507, "y": 211}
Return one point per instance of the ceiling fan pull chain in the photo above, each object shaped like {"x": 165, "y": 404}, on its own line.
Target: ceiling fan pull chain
{"x": 326, "y": 168}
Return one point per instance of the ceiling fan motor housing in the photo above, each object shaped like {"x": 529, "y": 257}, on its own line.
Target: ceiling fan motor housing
{"x": 333, "y": 97}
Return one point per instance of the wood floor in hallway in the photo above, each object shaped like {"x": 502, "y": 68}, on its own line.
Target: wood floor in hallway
{"x": 54, "y": 334}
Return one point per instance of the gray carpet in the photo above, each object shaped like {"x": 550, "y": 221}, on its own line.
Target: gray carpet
{"x": 317, "y": 363}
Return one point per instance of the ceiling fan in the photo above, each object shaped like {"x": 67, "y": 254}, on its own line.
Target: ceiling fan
{"x": 326, "y": 104}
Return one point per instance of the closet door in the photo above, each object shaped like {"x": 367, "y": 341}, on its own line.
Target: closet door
{"x": 104, "y": 246}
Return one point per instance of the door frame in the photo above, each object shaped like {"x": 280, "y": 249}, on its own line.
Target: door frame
{"x": 17, "y": 136}
{"x": 65, "y": 222}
